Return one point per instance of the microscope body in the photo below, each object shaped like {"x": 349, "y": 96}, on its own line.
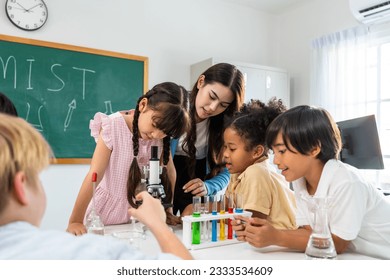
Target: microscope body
{"x": 152, "y": 175}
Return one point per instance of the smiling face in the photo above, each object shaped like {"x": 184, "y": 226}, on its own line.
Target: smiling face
{"x": 293, "y": 164}
{"x": 212, "y": 99}
{"x": 235, "y": 154}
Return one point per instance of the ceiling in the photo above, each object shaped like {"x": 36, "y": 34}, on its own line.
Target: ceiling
{"x": 269, "y": 6}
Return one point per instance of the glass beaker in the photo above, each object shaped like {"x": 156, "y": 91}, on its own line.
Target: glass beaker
{"x": 320, "y": 244}
{"x": 133, "y": 238}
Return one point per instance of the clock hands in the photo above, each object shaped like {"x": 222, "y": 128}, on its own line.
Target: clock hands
{"x": 22, "y": 7}
{"x": 28, "y": 10}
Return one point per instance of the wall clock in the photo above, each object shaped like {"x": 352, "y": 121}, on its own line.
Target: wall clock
{"x": 28, "y": 15}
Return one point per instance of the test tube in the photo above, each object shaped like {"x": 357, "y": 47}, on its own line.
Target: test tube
{"x": 222, "y": 221}
{"x": 196, "y": 225}
{"x": 230, "y": 210}
{"x": 205, "y": 211}
{"x": 214, "y": 222}
{"x": 239, "y": 203}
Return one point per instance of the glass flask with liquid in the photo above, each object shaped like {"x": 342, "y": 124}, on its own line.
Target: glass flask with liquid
{"x": 94, "y": 223}
{"x": 320, "y": 245}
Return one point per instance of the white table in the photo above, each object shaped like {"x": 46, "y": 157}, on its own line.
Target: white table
{"x": 238, "y": 251}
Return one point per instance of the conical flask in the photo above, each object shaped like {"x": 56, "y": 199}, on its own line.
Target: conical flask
{"x": 320, "y": 245}
{"x": 94, "y": 222}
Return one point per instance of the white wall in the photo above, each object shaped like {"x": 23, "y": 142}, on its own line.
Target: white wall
{"x": 175, "y": 34}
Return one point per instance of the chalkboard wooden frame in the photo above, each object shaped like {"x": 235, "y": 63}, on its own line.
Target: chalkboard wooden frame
{"x": 96, "y": 54}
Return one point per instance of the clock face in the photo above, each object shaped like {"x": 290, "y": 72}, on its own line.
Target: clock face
{"x": 28, "y": 15}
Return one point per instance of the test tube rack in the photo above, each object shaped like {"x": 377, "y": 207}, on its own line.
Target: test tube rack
{"x": 187, "y": 230}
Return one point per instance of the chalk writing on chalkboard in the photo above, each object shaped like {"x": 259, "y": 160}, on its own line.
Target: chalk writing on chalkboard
{"x": 58, "y": 88}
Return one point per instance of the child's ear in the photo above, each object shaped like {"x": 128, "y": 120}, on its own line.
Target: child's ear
{"x": 258, "y": 151}
{"x": 200, "y": 81}
{"x": 19, "y": 188}
{"x": 315, "y": 151}
{"x": 143, "y": 104}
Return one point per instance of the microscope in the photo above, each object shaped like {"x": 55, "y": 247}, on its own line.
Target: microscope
{"x": 152, "y": 175}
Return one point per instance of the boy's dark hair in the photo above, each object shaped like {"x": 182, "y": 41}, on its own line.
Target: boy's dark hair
{"x": 6, "y": 105}
{"x": 169, "y": 101}
{"x": 252, "y": 120}
{"x": 304, "y": 128}
{"x": 229, "y": 76}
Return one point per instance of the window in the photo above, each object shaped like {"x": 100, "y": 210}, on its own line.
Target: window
{"x": 351, "y": 78}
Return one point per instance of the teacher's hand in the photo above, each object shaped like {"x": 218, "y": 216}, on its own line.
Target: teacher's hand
{"x": 196, "y": 187}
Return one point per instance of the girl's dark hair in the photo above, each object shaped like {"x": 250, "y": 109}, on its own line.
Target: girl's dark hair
{"x": 6, "y": 106}
{"x": 229, "y": 76}
{"x": 169, "y": 102}
{"x": 304, "y": 128}
{"x": 253, "y": 119}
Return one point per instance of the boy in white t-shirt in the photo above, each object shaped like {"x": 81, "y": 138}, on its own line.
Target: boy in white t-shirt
{"x": 306, "y": 143}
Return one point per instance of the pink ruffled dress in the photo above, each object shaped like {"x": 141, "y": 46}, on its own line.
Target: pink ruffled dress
{"x": 110, "y": 200}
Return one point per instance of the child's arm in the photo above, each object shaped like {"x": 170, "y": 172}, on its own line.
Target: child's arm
{"x": 257, "y": 214}
{"x": 259, "y": 233}
{"x": 99, "y": 163}
{"x": 152, "y": 214}
{"x": 340, "y": 244}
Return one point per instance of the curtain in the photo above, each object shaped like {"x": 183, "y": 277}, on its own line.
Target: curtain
{"x": 349, "y": 78}
{"x": 338, "y": 72}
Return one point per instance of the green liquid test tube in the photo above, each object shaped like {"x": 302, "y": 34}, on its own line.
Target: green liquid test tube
{"x": 196, "y": 225}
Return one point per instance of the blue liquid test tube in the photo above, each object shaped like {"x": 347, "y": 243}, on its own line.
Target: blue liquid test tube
{"x": 239, "y": 203}
{"x": 214, "y": 222}
{"x": 196, "y": 225}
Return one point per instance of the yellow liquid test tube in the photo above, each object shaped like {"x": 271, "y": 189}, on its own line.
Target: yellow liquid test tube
{"x": 222, "y": 235}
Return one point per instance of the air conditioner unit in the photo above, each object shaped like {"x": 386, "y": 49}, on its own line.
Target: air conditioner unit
{"x": 370, "y": 11}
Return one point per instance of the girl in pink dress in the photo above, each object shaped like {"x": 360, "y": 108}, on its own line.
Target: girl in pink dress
{"x": 123, "y": 145}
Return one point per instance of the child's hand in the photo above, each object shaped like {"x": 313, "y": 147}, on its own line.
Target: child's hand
{"x": 76, "y": 229}
{"x": 238, "y": 224}
{"x": 187, "y": 211}
{"x": 172, "y": 220}
{"x": 260, "y": 233}
{"x": 151, "y": 212}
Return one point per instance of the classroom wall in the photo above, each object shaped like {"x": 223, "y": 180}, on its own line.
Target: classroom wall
{"x": 296, "y": 28}
{"x": 174, "y": 34}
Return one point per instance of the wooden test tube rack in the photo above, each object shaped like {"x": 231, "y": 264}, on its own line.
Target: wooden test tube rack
{"x": 187, "y": 232}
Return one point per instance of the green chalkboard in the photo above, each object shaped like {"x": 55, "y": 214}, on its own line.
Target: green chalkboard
{"x": 58, "y": 88}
